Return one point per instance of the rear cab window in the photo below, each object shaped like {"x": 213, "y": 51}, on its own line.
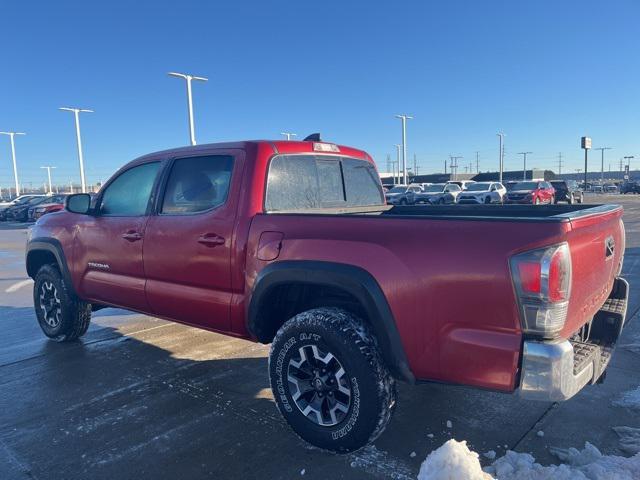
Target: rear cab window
{"x": 301, "y": 182}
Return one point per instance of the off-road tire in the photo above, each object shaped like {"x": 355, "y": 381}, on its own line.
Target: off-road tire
{"x": 72, "y": 315}
{"x": 373, "y": 390}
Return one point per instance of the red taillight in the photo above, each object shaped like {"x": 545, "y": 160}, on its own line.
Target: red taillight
{"x": 559, "y": 276}
{"x": 542, "y": 279}
{"x": 530, "y": 276}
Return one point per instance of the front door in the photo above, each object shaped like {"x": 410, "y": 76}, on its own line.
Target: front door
{"x": 187, "y": 250}
{"x": 108, "y": 247}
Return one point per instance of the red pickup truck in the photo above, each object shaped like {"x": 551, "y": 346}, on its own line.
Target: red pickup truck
{"x": 291, "y": 243}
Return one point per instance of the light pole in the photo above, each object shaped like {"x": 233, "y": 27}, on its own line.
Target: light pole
{"x": 602, "y": 149}
{"x": 48, "y": 167}
{"x": 585, "y": 144}
{"x": 76, "y": 115}
{"x": 404, "y": 119}
{"x": 13, "y": 156}
{"x": 189, "y": 78}
{"x": 501, "y": 153}
{"x": 289, "y": 135}
{"x": 524, "y": 167}
{"x": 398, "y": 147}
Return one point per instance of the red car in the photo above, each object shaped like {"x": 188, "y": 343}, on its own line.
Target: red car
{"x": 291, "y": 243}
{"x": 531, "y": 192}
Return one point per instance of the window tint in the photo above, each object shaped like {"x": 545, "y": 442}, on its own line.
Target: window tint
{"x": 128, "y": 195}
{"x": 299, "y": 182}
{"x": 198, "y": 183}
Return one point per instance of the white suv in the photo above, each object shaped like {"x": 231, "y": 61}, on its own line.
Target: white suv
{"x": 483, "y": 192}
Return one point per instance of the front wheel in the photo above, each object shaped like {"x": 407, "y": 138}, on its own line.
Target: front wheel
{"x": 536, "y": 201}
{"x": 329, "y": 380}
{"x": 62, "y": 316}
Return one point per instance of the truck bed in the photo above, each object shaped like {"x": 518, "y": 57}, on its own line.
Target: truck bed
{"x": 546, "y": 213}
{"x": 447, "y": 280}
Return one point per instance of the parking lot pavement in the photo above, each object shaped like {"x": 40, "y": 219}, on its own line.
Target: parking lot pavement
{"x": 139, "y": 397}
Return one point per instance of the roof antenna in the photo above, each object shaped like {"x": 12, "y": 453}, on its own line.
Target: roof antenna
{"x": 314, "y": 137}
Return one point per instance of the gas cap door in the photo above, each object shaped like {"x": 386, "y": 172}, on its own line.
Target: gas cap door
{"x": 269, "y": 245}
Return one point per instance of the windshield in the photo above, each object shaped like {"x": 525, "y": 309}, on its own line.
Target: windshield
{"x": 478, "y": 187}
{"x": 525, "y": 186}
{"x": 437, "y": 188}
{"x": 398, "y": 190}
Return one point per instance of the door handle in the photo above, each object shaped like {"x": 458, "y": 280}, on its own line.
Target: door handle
{"x": 211, "y": 239}
{"x": 132, "y": 236}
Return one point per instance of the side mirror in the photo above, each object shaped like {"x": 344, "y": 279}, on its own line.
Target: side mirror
{"x": 78, "y": 203}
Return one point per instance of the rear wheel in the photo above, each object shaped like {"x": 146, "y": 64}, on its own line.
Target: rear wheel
{"x": 403, "y": 201}
{"x": 329, "y": 381}
{"x": 536, "y": 201}
{"x": 487, "y": 200}
{"x": 62, "y": 316}
{"x": 552, "y": 200}
{"x": 581, "y": 198}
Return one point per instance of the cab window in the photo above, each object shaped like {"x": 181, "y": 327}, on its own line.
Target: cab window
{"x": 197, "y": 184}
{"x": 128, "y": 195}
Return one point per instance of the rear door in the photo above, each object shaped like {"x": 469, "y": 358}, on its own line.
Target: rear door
{"x": 188, "y": 243}
{"x": 108, "y": 246}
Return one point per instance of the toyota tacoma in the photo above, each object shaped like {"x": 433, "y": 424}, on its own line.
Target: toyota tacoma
{"x": 291, "y": 243}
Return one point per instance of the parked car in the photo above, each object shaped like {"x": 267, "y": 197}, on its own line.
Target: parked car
{"x": 54, "y": 203}
{"x": 20, "y": 211}
{"x": 531, "y": 192}
{"x": 16, "y": 201}
{"x": 291, "y": 243}
{"x": 402, "y": 194}
{"x": 611, "y": 188}
{"x": 630, "y": 187}
{"x": 567, "y": 191}
{"x": 510, "y": 184}
{"x": 438, "y": 194}
{"x": 483, "y": 192}
{"x": 463, "y": 184}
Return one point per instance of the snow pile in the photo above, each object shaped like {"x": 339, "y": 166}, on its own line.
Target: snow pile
{"x": 454, "y": 460}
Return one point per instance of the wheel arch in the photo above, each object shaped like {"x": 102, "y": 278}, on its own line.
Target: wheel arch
{"x": 284, "y": 289}
{"x": 42, "y": 251}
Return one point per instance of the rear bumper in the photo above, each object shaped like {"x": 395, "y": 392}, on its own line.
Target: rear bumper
{"x": 557, "y": 370}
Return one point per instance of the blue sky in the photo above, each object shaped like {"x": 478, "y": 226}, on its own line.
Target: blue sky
{"x": 544, "y": 72}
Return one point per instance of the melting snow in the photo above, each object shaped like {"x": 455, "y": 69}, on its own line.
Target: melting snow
{"x": 454, "y": 460}
{"x": 630, "y": 399}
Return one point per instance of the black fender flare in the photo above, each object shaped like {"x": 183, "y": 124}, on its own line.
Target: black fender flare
{"x": 54, "y": 247}
{"x": 354, "y": 280}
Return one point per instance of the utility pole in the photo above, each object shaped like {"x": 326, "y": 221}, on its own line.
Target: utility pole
{"x": 76, "y": 114}
{"x": 602, "y": 149}
{"x": 445, "y": 167}
{"x": 524, "y": 165}
{"x": 70, "y": 186}
{"x": 13, "y": 156}
{"x": 289, "y": 135}
{"x": 559, "y": 163}
{"x": 48, "y": 167}
{"x": 477, "y": 162}
{"x": 398, "y": 147}
{"x": 415, "y": 164}
{"x": 454, "y": 165}
{"x": 501, "y": 154}
{"x": 189, "y": 79}
{"x": 404, "y": 119}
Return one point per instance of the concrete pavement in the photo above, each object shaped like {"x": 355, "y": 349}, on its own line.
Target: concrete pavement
{"x": 140, "y": 397}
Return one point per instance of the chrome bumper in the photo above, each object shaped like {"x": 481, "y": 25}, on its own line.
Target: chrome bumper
{"x": 557, "y": 370}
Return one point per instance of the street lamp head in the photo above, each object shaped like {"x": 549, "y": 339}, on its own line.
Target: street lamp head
{"x": 12, "y": 133}
{"x": 75, "y": 110}
{"x": 187, "y": 76}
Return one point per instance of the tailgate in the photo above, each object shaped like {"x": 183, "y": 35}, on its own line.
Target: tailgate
{"x": 596, "y": 240}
